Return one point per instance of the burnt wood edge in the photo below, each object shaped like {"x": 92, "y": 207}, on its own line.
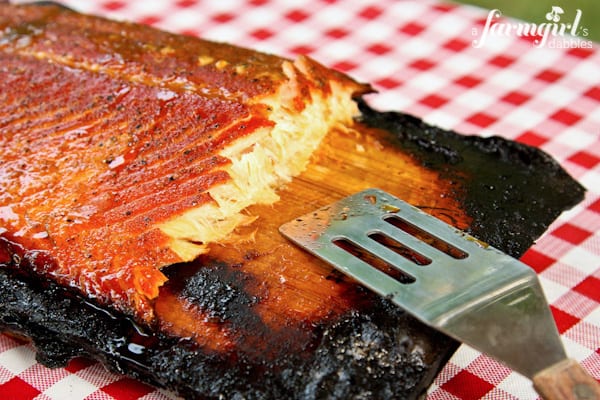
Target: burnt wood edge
{"x": 385, "y": 353}
{"x": 512, "y": 191}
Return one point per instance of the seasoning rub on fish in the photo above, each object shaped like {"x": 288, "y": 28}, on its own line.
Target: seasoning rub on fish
{"x": 126, "y": 149}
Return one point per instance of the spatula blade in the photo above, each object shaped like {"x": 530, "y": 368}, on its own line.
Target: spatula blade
{"x": 466, "y": 289}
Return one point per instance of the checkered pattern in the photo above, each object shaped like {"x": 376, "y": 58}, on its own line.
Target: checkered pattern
{"x": 419, "y": 55}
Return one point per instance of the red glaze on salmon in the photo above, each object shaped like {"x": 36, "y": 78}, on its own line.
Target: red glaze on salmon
{"x": 109, "y": 130}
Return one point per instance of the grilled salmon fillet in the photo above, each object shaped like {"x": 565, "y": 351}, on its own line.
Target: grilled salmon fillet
{"x": 126, "y": 149}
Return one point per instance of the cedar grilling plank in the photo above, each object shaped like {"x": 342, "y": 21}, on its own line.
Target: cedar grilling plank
{"x": 263, "y": 320}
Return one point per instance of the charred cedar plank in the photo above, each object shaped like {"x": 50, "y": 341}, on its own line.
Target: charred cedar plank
{"x": 364, "y": 346}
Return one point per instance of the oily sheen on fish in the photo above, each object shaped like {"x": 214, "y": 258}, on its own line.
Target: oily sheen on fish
{"x": 126, "y": 149}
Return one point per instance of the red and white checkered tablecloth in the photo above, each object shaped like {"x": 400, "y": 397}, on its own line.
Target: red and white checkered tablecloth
{"x": 422, "y": 58}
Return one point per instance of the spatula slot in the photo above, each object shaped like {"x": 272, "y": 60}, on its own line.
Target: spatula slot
{"x": 425, "y": 237}
{"x": 373, "y": 260}
{"x": 399, "y": 248}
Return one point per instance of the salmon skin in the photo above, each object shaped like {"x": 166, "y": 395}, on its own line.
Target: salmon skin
{"x": 126, "y": 149}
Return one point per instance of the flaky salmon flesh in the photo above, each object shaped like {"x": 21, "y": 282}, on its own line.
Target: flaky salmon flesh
{"x": 126, "y": 149}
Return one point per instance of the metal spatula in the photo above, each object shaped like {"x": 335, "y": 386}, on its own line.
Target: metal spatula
{"x": 448, "y": 280}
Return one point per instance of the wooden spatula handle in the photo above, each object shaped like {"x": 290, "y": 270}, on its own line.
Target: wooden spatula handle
{"x": 566, "y": 380}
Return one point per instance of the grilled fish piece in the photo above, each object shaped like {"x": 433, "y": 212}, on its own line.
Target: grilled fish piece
{"x": 126, "y": 149}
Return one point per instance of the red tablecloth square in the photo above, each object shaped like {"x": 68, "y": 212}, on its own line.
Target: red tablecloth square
{"x": 337, "y": 33}
{"x": 482, "y": 119}
{"x": 468, "y": 81}
{"x": 344, "y": 66}
{"x": 370, "y": 12}
{"x": 379, "y": 48}
{"x": 387, "y": 83}
{"x": 585, "y": 159}
{"x": 571, "y": 233}
{"x": 222, "y": 17}
{"x": 466, "y": 385}
{"x": 593, "y": 93}
{"x": 564, "y": 321}
{"x": 515, "y": 97}
{"x": 113, "y": 5}
{"x": 531, "y": 138}
{"x": 537, "y": 260}
{"x": 127, "y": 389}
{"x": 501, "y": 61}
{"x": 262, "y": 34}
{"x": 566, "y": 116}
{"x": 595, "y": 206}
{"x": 422, "y": 64}
{"x": 433, "y": 101}
{"x": 456, "y": 45}
{"x": 303, "y": 49}
{"x": 296, "y": 15}
{"x": 186, "y": 3}
{"x": 18, "y": 389}
{"x": 549, "y": 75}
{"x": 589, "y": 287}
{"x": 580, "y": 52}
{"x": 77, "y": 364}
{"x": 150, "y": 20}
{"x": 412, "y": 28}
